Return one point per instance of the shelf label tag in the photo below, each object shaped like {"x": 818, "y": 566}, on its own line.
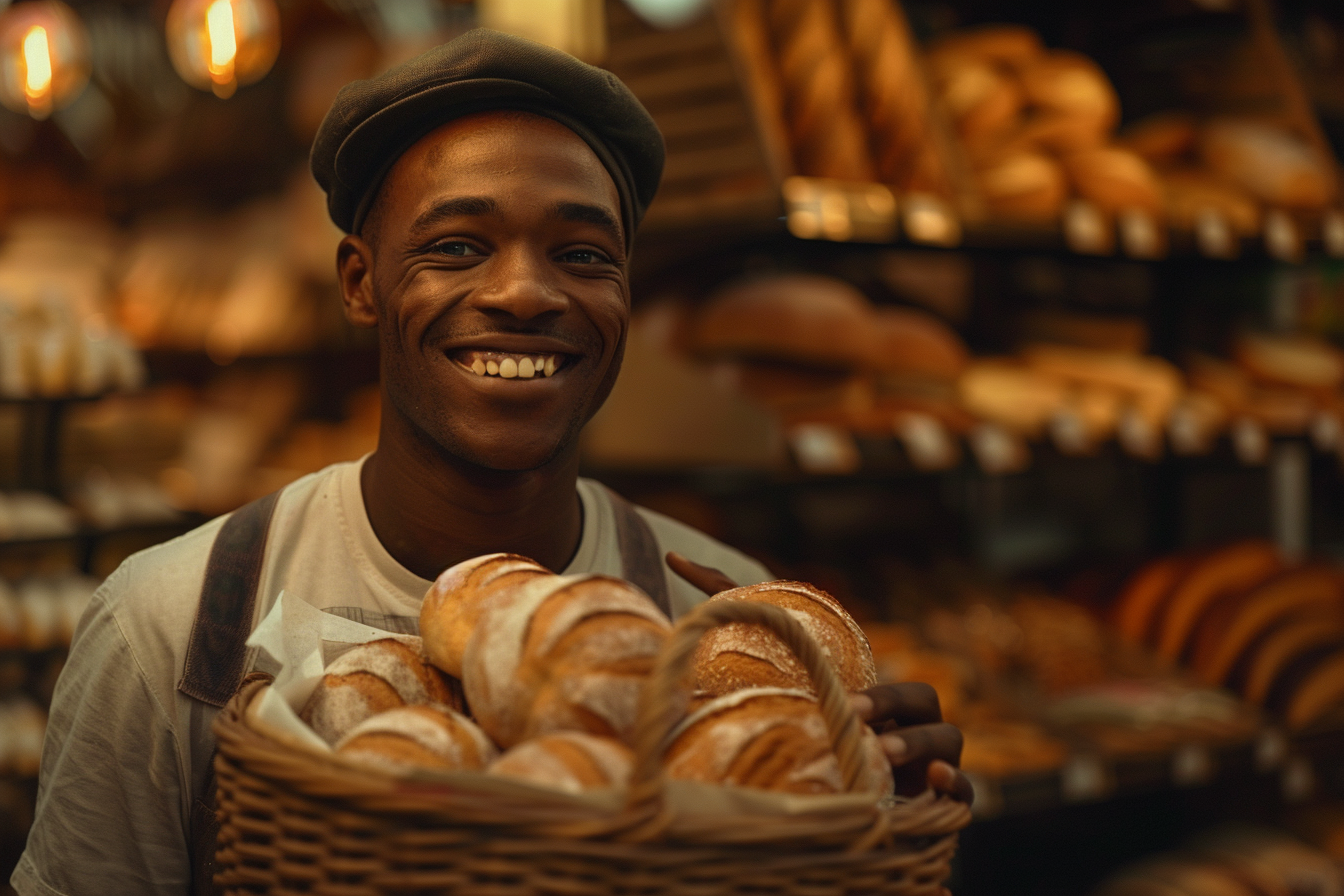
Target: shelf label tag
{"x": 1283, "y": 240}
{"x": 823, "y": 449}
{"x": 1214, "y": 236}
{"x": 1271, "y": 747}
{"x": 823, "y": 209}
{"x": 1141, "y": 235}
{"x": 1192, "y": 765}
{"x": 1086, "y": 229}
{"x": 1085, "y": 778}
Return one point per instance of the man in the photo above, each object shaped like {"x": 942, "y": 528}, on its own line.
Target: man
{"x": 491, "y": 190}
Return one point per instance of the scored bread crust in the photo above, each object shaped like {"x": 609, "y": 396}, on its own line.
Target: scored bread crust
{"x": 768, "y": 738}
{"x": 424, "y": 736}
{"x": 370, "y": 679}
{"x": 572, "y": 761}
{"x": 452, "y": 607}
{"x": 740, "y": 655}
{"x": 564, "y": 652}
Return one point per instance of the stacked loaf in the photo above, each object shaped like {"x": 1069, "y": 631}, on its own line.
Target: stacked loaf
{"x": 1242, "y": 617}
{"x": 537, "y": 677}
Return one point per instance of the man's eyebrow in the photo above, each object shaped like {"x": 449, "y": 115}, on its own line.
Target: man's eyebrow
{"x": 591, "y": 214}
{"x": 461, "y": 206}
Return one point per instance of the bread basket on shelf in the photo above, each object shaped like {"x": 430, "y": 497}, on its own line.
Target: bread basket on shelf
{"x": 297, "y": 821}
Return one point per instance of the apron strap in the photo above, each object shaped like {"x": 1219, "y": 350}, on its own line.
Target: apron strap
{"x": 217, "y": 658}
{"x": 641, "y": 558}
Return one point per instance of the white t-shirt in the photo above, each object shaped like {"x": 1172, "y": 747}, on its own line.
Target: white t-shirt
{"x": 126, "y": 753}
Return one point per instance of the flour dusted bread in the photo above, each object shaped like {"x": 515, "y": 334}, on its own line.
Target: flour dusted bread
{"x": 771, "y": 739}
{"x": 371, "y": 679}
{"x": 417, "y": 737}
{"x": 739, "y": 656}
{"x": 562, "y": 653}
{"x": 572, "y": 761}
{"x": 452, "y": 606}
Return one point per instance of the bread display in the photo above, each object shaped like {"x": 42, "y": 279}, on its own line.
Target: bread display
{"x": 1283, "y": 644}
{"x": 1271, "y": 162}
{"x": 771, "y": 739}
{"x": 561, "y": 653}
{"x": 909, "y": 341}
{"x": 570, "y": 761}
{"x": 452, "y": 607}
{"x": 740, "y": 656}
{"x": 1115, "y": 180}
{"x": 371, "y": 679}
{"x": 1300, "y": 361}
{"x": 1026, "y": 186}
{"x": 424, "y": 736}
{"x": 1216, "y": 576}
{"x": 1062, "y": 85}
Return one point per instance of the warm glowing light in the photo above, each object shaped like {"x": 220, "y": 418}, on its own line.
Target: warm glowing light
{"x": 223, "y": 42}
{"x": 219, "y": 45}
{"x": 37, "y": 63}
{"x": 44, "y": 57}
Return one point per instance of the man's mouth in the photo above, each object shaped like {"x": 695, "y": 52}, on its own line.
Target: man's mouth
{"x": 510, "y": 365}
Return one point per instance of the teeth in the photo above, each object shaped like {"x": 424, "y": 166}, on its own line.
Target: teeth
{"x": 524, "y": 367}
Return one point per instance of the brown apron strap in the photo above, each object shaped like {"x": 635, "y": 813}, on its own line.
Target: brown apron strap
{"x": 217, "y": 656}
{"x": 641, "y": 559}
{"x": 216, "y": 651}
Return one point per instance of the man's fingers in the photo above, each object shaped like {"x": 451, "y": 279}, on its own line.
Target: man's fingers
{"x": 946, "y": 779}
{"x": 922, "y": 743}
{"x": 709, "y": 580}
{"x": 908, "y": 703}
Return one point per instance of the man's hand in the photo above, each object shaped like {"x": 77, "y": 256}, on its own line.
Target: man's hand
{"x": 709, "y": 580}
{"x": 923, "y": 749}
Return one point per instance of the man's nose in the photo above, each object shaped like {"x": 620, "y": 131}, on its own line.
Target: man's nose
{"x": 522, "y": 285}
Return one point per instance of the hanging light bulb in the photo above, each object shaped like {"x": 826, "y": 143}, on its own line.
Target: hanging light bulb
{"x": 220, "y": 44}
{"x": 44, "y": 57}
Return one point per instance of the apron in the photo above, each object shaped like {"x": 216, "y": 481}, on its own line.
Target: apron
{"x": 217, "y": 652}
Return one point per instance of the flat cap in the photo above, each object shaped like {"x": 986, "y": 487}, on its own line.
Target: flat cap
{"x": 372, "y": 123}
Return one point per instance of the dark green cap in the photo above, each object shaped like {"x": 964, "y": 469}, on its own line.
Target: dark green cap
{"x": 371, "y": 123}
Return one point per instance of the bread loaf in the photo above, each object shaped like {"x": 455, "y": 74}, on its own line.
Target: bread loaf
{"x": 771, "y": 739}
{"x": 572, "y": 761}
{"x": 738, "y": 656}
{"x": 1309, "y": 686}
{"x": 1140, "y": 602}
{"x": 373, "y": 678}
{"x": 452, "y": 607}
{"x": 1275, "y": 165}
{"x": 1302, "y": 361}
{"x": 1162, "y": 138}
{"x": 1025, "y": 186}
{"x": 1191, "y": 194}
{"x": 564, "y": 653}
{"x": 983, "y": 101}
{"x": 1114, "y": 180}
{"x": 1012, "y": 46}
{"x": 417, "y": 737}
{"x": 1292, "y": 639}
{"x": 1070, "y": 84}
{"x": 907, "y": 341}
{"x": 793, "y": 317}
{"x": 1224, "y": 571}
{"x": 1020, "y": 399}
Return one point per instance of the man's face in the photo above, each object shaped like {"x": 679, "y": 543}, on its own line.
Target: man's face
{"x": 497, "y": 278}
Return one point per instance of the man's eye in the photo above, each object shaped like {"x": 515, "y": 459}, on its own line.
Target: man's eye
{"x": 455, "y": 249}
{"x": 583, "y": 256}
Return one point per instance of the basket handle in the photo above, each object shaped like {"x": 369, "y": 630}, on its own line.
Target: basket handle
{"x": 664, "y": 698}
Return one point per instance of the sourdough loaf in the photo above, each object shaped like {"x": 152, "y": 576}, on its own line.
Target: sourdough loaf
{"x": 572, "y": 761}
{"x": 452, "y": 607}
{"x": 417, "y": 737}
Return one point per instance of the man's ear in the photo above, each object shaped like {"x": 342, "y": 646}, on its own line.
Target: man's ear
{"x": 354, "y": 270}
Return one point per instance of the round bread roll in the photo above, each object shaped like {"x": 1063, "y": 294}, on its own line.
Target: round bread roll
{"x": 1025, "y": 186}
{"x": 417, "y": 737}
{"x": 1191, "y": 194}
{"x": 452, "y": 606}
{"x": 371, "y": 679}
{"x": 1066, "y": 83}
{"x": 738, "y": 656}
{"x": 805, "y": 318}
{"x": 915, "y": 342}
{"x": 1015, "y": 397}
{"x": 1162, "y": 138}
{"x": 983, "y": 101}
{"x": 565, "y": 653}
{"x": 1010, "y": 45}
{"x": 1302, "y": 361}
{"x": 1275, "y": 165}
{"x": 1059, "y": 133}
{"x": 771, "y": 739}
{"x": 572, "y": 761}
{"x": 1114, "y": 180}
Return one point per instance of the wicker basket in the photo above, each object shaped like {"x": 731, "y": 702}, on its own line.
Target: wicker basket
{"x": 294, "y": 821}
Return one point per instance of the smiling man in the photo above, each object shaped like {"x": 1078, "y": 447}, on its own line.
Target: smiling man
{"x": 491, "y": 190}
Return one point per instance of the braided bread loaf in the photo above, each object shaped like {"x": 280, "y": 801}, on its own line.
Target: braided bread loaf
{"x": 554, "y": 653}
{"x": 768, "y": 738}
{"x": 371, "y": 679}
{"x": 452, "y": 607}
{"x": 738, "y": 656}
